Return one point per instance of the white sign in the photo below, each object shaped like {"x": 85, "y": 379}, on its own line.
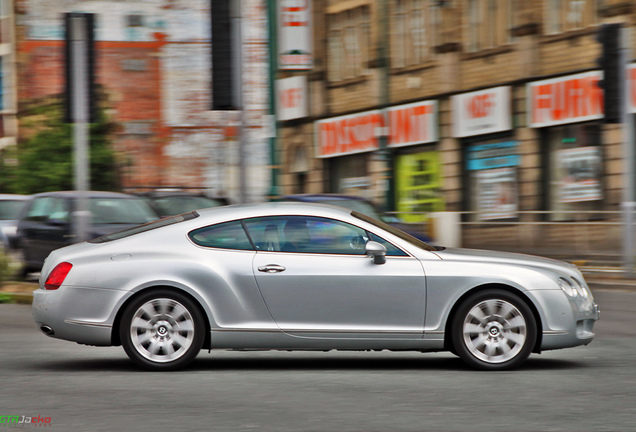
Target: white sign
{"x": 413, "y": 124}
{"x": 295, "y": 49}
{"x": 349, "y": 134}
{"x": 291, "y": 98}
{"x": 481, "y": 112}
{"x": 563, "y": 100}
{"x": 497, "y": 193}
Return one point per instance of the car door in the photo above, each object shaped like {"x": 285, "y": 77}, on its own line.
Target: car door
{"x": 317, "y": 281}
{"x": 46, "y": 227}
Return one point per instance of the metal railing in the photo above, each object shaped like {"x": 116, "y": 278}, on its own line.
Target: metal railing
{"x": 593, "y": 236}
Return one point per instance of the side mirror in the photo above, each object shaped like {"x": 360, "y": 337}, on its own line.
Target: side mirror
{"x": 376, "y": 251}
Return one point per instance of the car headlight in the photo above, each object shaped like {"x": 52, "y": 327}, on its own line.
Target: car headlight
{"x": 10, "y": 230}
{"x": 567, "y": 287}
{"x": 580, "y": 289}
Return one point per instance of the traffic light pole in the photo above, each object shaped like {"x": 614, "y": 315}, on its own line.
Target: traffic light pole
{"x": 629, "y": 196}
{"x": 80, "y": 104}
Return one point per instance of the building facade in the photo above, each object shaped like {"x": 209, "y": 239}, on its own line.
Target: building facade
{"x": 485, "y": 107}
{"x": 8, "y": 95}
{"x": 154, "y": 64}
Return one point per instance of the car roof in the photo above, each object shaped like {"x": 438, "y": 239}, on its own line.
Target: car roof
{"x": 241, "y": 211}
{"x": 88, "y": 194}
{"x": 323, "y": 197}
{"x": 14, "y": 197}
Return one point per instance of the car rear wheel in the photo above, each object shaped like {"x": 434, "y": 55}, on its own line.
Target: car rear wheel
{"x": 162, "y": 330}
{"x": 494, "y": 330}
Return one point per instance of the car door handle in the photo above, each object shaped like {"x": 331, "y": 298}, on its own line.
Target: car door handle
{"x": 271, "y": 268}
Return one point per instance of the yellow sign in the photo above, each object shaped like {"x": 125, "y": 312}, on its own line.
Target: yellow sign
{"x": 418, "y": 183}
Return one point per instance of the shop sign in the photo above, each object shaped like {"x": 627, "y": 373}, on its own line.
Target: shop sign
{"x": 291, "y": 96}
{"x": 565, "y": 100}
{"x": 295, "y": 35}
{"x": 581, "y": 181}
{"x": 493, "y": 155}
{"x": 481, "y": 112}
{"x": 413, "y": 124}
{"x": 350, "y": 134}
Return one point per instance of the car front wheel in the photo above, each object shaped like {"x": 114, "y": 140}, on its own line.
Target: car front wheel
{"x": 494, "y": 330}
{"x": 162, "y": 330}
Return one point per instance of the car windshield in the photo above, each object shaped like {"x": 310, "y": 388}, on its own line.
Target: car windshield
{"x": 173, "y": 205}
{"x": 356, "y": 205}
{"x": 145, "y": 227}
{"x": 396, "y": 232}
{"x": 121, "y": 211}
{"x": 10, "y": 209}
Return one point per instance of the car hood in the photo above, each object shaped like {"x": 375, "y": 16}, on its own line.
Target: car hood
{"x": 509, "y": 258}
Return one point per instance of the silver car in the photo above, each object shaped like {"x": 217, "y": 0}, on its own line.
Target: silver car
{"x": 297, "y": 276}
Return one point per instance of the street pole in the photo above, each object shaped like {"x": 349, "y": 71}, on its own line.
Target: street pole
{"x": 383, "y": 57}
{"x": 237, "y": 17}
{"x": 272, "y": 123}
{"x": 629, "y": 198}
{"x": 79, "y": 66}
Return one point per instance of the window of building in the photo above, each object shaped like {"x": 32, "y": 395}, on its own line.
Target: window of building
{"x": 413, "y": 27}
{"x": 488, "y": 23}
{"x": 564, "y": 15}
{"x": 348, "y": 43}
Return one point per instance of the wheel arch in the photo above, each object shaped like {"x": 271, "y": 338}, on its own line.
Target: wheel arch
{"x": 207, "y": 342}
{"x": 448, "y": 342}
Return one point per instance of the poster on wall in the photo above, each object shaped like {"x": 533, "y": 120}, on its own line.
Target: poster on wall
{"x": 494, "y": 176}
{"x": 581, "y": 168}
{"x": 295, "y": 51}
{"x": 418, "y": 186}
{"x": 496, "y": 190}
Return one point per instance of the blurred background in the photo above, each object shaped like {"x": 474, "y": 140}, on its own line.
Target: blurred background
{"x": 476, "y": 123}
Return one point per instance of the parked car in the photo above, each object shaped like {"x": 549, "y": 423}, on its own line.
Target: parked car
{"x": 361, "y": 205}
{"x": 47, "y": 221}
{"x": 10, "y": 207}
{"x": 174, "y": 202}
{"x": 298, "y": 276}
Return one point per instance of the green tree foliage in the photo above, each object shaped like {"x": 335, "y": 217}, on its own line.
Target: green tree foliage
{"x": 45, "y": 160}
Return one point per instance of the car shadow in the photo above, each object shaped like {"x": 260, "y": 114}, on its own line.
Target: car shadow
{"x": 245, "y": 362}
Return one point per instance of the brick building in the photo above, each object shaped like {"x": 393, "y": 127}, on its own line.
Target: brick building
{"x": 8, "y": 122}
{"x": 154, "y": 63}
{"x": 487, "y": 107}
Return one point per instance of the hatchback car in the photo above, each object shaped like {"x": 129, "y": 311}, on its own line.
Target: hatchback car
{"x": 10, "y": 208}
{"x": 47, "y": 221}
{"x": 295, "y": 276}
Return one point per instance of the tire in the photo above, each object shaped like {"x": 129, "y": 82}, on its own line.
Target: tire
{"x": 494, "y": 330}
{"x": 162, "y": 330}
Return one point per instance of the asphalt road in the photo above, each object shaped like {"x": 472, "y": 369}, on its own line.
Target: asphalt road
{"x": 81, "y": 388}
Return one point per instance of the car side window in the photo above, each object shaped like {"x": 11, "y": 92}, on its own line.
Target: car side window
{"x": 391, "y": 250}
{"x": 306, "y": 234}
{"x": 228, "y": 235}
{"x": 47, "y": 208}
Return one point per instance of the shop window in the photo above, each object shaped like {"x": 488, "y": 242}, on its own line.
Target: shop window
{"x": 489, "y": 23}
{"x": 575, "y": 171}
{"x": 348, "y": 44}
{"x": 493, "y": 179}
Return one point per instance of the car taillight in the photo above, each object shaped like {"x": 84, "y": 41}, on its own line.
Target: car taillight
{"x": 57, "y": 276}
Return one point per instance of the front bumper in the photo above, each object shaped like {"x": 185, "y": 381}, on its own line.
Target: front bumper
{"x": 567, "y": 322}
{"x": 78, "y": 314}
